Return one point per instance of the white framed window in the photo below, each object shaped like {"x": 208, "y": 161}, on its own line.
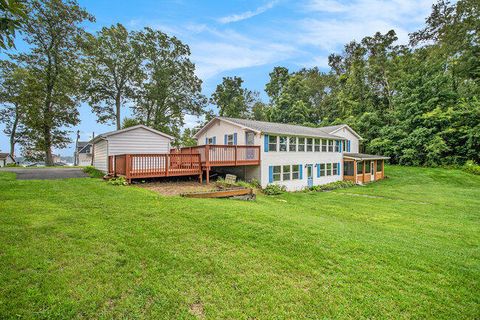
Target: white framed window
{"x": 330, "y": 145}
{"x": 282, "y": 143}
{"x": 277, "y": 173}
{"x": 344, "y": 145}
{"x": 301, "y": 145}
{"x": 329, "y": 169}
{"x": 292, "y": 144}
{"x": 272, "y": 143}
{"x": 335, "y": 169}
{"x": 324, "y": 145}
{"x": 337, "y": 146}
{"x": 309, "y": 144}
{"x": 230, "y": 139}
{"x": 322, "y": 169}
{"x": 295, "y": 171}
{"x": 317, "y": 145}
{"x": 211, "y": 140}
{"x": 286, "y": 172}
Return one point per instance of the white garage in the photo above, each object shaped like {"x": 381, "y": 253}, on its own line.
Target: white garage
{"x": 138, "y": 139}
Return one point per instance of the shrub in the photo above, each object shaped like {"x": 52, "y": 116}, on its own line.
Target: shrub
{"x": 471, "y": 167}
{"x": 93, "y": 172}
{"x": 274, "y": 189}
{"x": 119, "y": 181}
{"x": 332, "y": 186}
{"x": 11, "y": 165}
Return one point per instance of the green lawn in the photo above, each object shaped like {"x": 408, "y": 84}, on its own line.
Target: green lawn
{"x": 405, "y": 247}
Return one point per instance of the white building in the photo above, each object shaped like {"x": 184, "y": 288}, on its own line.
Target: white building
{"x": 138, "y": 139}
{"x": 6, "y": 158}
{"x": 291, "y": 155}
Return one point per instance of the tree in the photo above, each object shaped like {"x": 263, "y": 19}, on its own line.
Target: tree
{"x": 186, "y": 139}
{"x": 111, "y": 67}
{"x": 233, "y": 100}
{"x": 52, "y": 63}
{"x": 13, "y": 101}
{"x": 12, "y": 17}
{"x": 169, "y": 88}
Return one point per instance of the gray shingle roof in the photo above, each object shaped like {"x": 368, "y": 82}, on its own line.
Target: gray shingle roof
{"x": 284, "y": 129}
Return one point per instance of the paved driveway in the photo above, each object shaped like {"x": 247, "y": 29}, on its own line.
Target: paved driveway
{"x": 46, "y": 173}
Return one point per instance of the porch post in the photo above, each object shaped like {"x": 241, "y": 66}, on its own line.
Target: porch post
{"x": 363, "y": 173}
{"x": 355, "y": 171}
{"x": 383, "y": 168}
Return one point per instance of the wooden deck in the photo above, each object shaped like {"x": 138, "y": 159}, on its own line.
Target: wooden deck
{"x": 182, "y": 162}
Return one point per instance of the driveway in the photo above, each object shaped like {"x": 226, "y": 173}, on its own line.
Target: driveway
{"x": 46, "y": 173}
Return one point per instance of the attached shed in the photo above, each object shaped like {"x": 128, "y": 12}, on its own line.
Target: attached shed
{"x": 138, "y": 139}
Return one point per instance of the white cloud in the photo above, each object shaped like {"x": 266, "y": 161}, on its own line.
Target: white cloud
{"x": 247, "y": 14}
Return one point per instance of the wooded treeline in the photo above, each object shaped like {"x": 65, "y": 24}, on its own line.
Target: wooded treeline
{"x": 417, "y": 103}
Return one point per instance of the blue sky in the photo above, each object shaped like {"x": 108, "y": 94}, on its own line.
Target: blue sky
{"x": 248, "y": 38}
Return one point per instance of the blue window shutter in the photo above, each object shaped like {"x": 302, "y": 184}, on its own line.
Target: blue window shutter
{"x": 270, "y": 174}
{"x": 225, "y": 139}
{"x": 348, "y": 146}
{"x": 235, "y": 138}
{"x": 206, "y": 140}
{"x": 214, "y": 140}
{"x": 338, "y": 171}
{"x": 265, "y": 143}
{"x": 340, "y": 149}
{"x": 301, "y": 172}
{"x": 318, "y": 170}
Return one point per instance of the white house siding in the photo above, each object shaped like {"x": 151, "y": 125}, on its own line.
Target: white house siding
{"x": 272, "y": 158}
{"x": 219, "y": 129}
{"x": 137, "y": 141}
{"x": 347, "y": 134}
{"x": 100, "y": 155}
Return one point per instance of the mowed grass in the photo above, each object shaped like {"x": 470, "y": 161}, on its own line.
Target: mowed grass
{"x": 406, "y": 247}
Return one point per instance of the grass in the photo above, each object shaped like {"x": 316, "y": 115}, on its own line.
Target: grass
{"x": 406, "y": 247}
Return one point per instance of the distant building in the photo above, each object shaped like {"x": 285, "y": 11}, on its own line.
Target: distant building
{"x": 6, "y": 158}
{"x": 83, "y": 154}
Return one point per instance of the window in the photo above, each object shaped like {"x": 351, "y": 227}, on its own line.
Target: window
{"x": 250, "y": 139}
{"x": 286, "y": 173}
{"x": 282, "y": 143}
{"x": 348, "y": 168}
{"x": 295, "y": 172}
{"x": 301, "y": 144}
{"x": 211, "y": 140}
{"x": 292, "y": 144}
{"x": 272, "y": 143}
{"x": 337, "y": 146}
{"x": 344, "y": 146}
{"x": 324, "y": 145}
{"x": 367, "y": 166}
{"x": 359, "y": 167}
{"x": 330, "y": 145}
{"x": 335, "y": 169}
{"x": 229, "y": 139}
{"x": 309, "y": 144}
{"x": 379, "y": 165}
{"x": 322, "y": 169}
{"x": 277, "y": 173}
{"x": 317, "y": 145}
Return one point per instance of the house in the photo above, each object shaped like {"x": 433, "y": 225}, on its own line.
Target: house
{"x": 83, "y": 154}
{"x": 138, "y": 139}
{"x": 6, "y": 158}
{"x": 290, "y": 155}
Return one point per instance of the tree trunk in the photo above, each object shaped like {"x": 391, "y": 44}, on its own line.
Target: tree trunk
{"x": 117, "y": 111}
{"x": 14, "y": 133}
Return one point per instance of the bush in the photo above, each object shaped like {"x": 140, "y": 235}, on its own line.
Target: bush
{"x": 274, "y": 189}
{"x": 119, "y": 181}
{"x": 11, "y": 165}
{"x": 332, "y": 186}
{"x": 471, "y": 167}
{"x": 93, "y": 172}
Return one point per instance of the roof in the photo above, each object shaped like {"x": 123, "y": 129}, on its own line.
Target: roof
{"x": 138, "y": 126}
{"x": 277, "y": 128}
{"x": 363, "y": 156}
{"x": 82, "y": 144}
{"x": 4, "y": 155}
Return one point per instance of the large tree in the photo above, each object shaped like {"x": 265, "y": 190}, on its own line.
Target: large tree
{"x": 232, "y": 99}
{"x": 111, "y": 67}
{"x": 169, "y": 88}
{"x": 13, "y": 101}
{"x": 52, "y": 62}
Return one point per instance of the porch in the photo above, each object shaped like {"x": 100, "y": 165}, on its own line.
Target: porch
{"x": 363, "y": 168}
{"x": 187, "y": 161}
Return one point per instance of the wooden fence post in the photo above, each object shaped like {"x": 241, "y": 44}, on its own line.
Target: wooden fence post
{"x": 235, "y": 155}
{"x": 167, "y": 164}
{"x": 128, "y": 168}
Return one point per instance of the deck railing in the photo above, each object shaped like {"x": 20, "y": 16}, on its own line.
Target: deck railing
{"x": 134, "y": 166}
{"x": 223, "y": 155}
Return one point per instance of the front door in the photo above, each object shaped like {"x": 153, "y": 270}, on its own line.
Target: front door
{"x": 372, "y": 171}
{"x": 310, "y": 175}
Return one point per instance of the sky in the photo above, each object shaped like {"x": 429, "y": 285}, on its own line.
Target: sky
{"x": 249, "y": 38}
